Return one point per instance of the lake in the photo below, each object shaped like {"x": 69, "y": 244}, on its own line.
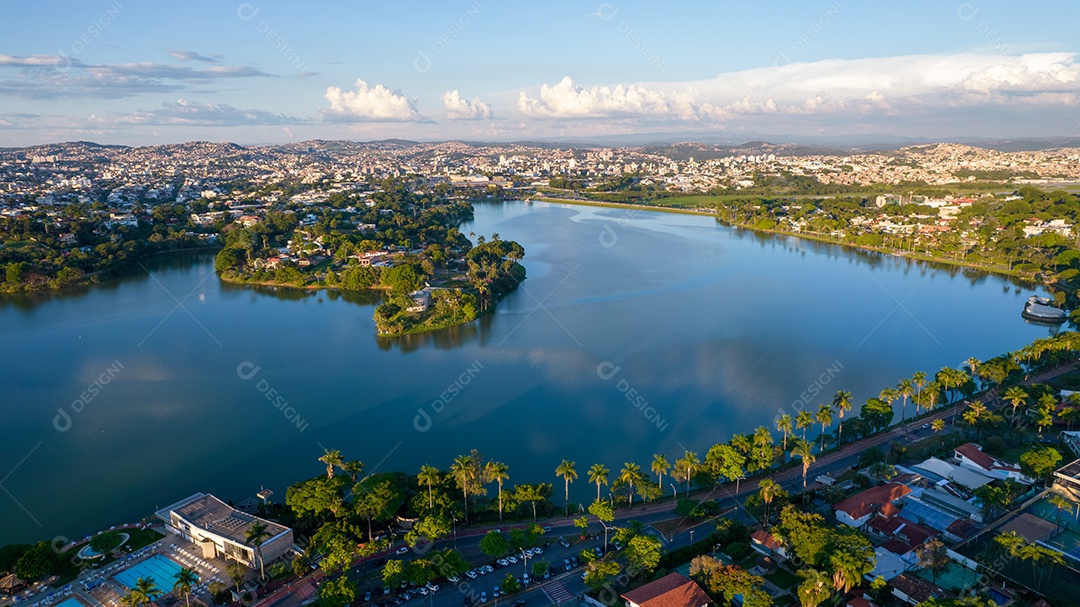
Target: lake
{"x": 635, "y": 333}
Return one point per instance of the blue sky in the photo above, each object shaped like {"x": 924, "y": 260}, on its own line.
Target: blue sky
{"x": 130, "y": 72}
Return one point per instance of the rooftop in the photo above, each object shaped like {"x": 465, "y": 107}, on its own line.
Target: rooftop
{"x": 672, "y": 590}
{"x": 881, "y": 497}
{"x": 211, "y": 514}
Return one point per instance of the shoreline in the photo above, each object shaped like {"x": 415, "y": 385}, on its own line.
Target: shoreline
{"x": 911, "y": 256}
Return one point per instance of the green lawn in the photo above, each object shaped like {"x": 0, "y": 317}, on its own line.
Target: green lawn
{"x": 783, "y": 579}
{"x": 71, "y": 565}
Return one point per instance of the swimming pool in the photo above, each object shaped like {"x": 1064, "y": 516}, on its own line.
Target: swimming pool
{"x": 70, "y": 602}
{"x": 161, "y": 568}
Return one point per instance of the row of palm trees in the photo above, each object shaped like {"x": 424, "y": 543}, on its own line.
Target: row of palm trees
{"x": 755, "y": 452}
{"x": 146, "y": 589}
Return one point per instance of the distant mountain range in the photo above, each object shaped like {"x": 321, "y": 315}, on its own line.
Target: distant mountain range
{"x": 672, "y": 146}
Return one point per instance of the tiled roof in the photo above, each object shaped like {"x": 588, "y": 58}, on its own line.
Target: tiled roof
{"x": 882, "y": 496}
{"x": 672, "y": 590}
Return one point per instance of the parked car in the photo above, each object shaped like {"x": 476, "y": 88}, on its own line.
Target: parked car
{"x": 432, "y": 586}
{"x": 566, "y": 564}
{"x": 470, "y": 574}
{"x": 512, "y": 559}
{"x": 538, "y": 550}
{"x": 502, "y": 562}
{"x": 402, "y": 550}
{"x": 487, "y": 569}
{"x": 517, "y": 603}
{"x": 367, "y": 595}
{"x": 483, "y": 596}
{"x": 453, "y": 579}
{"x": 495, "y": 593}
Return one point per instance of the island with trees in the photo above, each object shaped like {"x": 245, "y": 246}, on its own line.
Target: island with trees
{"x": 394, "y": 240}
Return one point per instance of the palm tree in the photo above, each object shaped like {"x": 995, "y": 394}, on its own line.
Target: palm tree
{"x": 767, "y": 489}
{"x": 823, "y": 417}
{"x": 256, "y": 534}
{"x": 144, "y": 592}
{"x": 687, "y": 465}
{"x": 906, "y": 390}
{"x": 919, "y": 379}
{"x": 847, "y": 570}
{"x": 785, "y": 424}
{"x": 354, "y": 468}
{"x": 332, "y": 459}
{"x": 741, "y": 442}
{"x": 186, "y": 579}
{"x": 842, "y": 402}
{"x": 1016, "y": 397}
{"x": 429, "y": 475}
{"x": 973, "y": 364}
{"x": 568, "y": 473}
{"x": 938, "y": 425}
{"x": 815, "y": 589}
{"x": 236, "y": 571}
{"x": 499, "y": 472}
{"x": 660, "y": 466}
{"x": 598, "y": 474}
{"x": 464, "y": 471}
{"x": 804, "y": 420}
{"x": 630, "y": 473}
{"x": 1059, "y": 502}
{"x": 889, "y": 395}
{"x": 805, "y": 452}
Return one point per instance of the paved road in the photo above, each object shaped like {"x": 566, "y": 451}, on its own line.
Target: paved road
{"x": 563, "y": 585}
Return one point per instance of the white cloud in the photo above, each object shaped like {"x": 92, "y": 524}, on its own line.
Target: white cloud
{"x": 370, "y": 104}
{"x": 915, "y": 81}
{"x": 190, "y": 56}
{"x": 567, "y": 100}
{"x": 459, "y": 108}
{"x": 193, "y": 113}
{"x": 889, "y": 85}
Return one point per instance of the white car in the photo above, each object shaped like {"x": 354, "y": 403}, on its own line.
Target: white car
{"x": 538, "y": 550}
{"x": 453, "y": 579}
{"x": 487, "y": 569}
{"x": 503, "y": 562}
{"x": 471, "y": 574}
{"x": 512, "y": 559}
{"x": 432, "y": 586}
{"x": 422, "y": 590}
{"x": 402, "y": 550}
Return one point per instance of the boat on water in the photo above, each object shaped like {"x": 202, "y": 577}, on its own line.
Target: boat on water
{"x": 1039, "y": 309}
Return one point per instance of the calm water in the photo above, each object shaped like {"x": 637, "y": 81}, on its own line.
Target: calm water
{"x": 714, "y": 330}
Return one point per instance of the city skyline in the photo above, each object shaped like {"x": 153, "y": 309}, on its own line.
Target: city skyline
{"x": 264, "y": 73}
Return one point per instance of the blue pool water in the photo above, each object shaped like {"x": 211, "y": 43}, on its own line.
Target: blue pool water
{"x": 70, "y": 602}
{"x": 161, "y": 568}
